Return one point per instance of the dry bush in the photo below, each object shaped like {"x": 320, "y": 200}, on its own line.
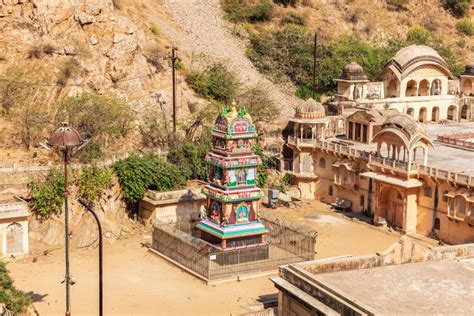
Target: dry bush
{"x": 70, "y": 69}
{"x": 154, "y": 56}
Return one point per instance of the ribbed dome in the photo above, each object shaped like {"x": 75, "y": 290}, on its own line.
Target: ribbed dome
{"x": 353, "y": 71}
{"x": 404, "y": 122}
{"x": 310, "y": 109}
{"x": 469, "y": 70}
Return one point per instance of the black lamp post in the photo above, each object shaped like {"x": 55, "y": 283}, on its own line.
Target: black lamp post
{"x": 65, "y": 139}
{"x": 89, "y": 208}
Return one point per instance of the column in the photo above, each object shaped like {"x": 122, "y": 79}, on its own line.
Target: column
{"x": 425, "y": 156}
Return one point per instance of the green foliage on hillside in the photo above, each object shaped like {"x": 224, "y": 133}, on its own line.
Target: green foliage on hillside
{"x": 458, "y": 8}
{"x": 137, "y": 174}
{"x": 188, "y": 157}
{"x": 47, "y": 194}
{"x": 15, "y": 300}
{"x": 102, "y": 119}
{"x": 465, "y": 26}
{"x": 246, "y": 11}
{"x": 215, "y": 82}
{"x": 288, "y": 53}
{"x": 92, "y": 182}
{"x": 267, "y": 163}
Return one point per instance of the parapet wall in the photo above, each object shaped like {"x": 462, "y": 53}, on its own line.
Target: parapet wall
{"x": 404, "y": 251}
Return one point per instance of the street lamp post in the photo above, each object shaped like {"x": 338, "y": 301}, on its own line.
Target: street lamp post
{"x": 174, "y": 58}
{"x": 65, "y": 139}
{"x": 89, "y": 208}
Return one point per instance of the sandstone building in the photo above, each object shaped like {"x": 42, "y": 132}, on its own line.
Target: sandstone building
{"x": 383, "y": 162}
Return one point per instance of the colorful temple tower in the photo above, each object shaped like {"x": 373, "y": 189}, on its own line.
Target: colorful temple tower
{"x": 231, "y": 217}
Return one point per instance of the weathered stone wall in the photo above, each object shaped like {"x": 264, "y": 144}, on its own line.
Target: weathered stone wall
{"x": 405, "y": 251}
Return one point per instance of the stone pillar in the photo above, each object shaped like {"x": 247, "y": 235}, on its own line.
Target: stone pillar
{"x": 411, "y": 211}
{"x": 425, "y": 156}
{"x": 223, "y": 243}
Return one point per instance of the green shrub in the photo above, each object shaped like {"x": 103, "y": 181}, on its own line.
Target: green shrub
{"x": 92, "y": 182}
{"x": 418, "y": 34}
{"x": 216, "y": 83}
{"x": 465, "y": 26}
{"x": 462, "y": 41}
{"x": 293, "y": 18}
{"x": 15, "y": 300}
{"x": 154, "y": 29}
{"x": 47, "y": 195}
{"x": 458, "y": 8}
{"x": 261, "y": 11}
{"x": 267, "y": 163}
{"x": 188, "y": 157}
{"x": 242, "y": 10}
{"x": 104, "y": 120}
{"x": 137, "y": 174}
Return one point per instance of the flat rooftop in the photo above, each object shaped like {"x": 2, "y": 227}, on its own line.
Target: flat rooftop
{"x": 441, "y": 156}
{"x": 408, "y": 289}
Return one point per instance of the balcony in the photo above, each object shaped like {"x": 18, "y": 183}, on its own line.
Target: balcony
{"x": 301, "y": 142}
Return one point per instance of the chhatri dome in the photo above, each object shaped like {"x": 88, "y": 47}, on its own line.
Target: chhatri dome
{"x": 353, "y": 71}
{"x": 310, "y": 109}
{"x": 411, "y": 57}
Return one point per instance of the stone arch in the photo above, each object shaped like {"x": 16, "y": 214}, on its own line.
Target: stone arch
{"x": 424, "y": 88}
{"x": 435, "y": 114}
{"x": 467, "y": 87}
{"x": 436, "y": 87}
{"x": 392, "y": 88}
{"x": 14, "y": 238}
{"x": 411, "y": 88}
{"x": 422, "y": 115}
{"x": 390, "y": 206}
{"x": 411, "y": 112}
{"x": 464, "y": 112}
{"x": 452, "y": 113}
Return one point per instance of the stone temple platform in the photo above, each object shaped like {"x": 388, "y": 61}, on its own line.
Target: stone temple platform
{"x": 442, "y": 156}
{"x": 410, "y": 289}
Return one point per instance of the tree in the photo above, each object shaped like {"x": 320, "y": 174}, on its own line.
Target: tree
{"x": 47, "y": 194}
{"x": 92, "y": 182}
{"x": 14, "y": 299}
{"x": 188, "y": 157}
{"x": 458, "y": 8}
{"x": 102, "y": 119}
{"x": 137, "y": 174}
{"x": 259, "y": 104}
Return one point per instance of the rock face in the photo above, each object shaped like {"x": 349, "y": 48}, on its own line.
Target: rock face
{"x": 112, "y": 215}
{"x": 107, "y": 46}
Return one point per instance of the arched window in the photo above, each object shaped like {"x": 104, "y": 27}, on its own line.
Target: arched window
{"x": 427, "y": 191}
{"x": 437, "y": 224}
{"x": 445, "y": 197}
{"x": 362, "y": 200}
{"x": 322, "y": 163}
{"x": 330, "y": 190}
{"x": 461, "y": 205}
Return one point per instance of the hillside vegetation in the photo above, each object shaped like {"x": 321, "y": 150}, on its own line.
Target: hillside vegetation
{"x": 280, "y": 35}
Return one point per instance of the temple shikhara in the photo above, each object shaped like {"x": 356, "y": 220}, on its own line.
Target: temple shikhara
{"x": 230, "y": 218}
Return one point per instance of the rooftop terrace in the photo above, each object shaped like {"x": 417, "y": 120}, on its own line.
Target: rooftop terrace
{"x": 425, "y": 288}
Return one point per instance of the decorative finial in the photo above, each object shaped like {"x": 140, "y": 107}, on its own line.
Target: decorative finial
{"x": 234, "y": 106}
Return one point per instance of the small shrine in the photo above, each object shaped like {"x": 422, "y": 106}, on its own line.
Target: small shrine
{"x": 230, "y": 218}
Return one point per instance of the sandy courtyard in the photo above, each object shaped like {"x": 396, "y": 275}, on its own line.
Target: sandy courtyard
{"x": 138, "y": 282}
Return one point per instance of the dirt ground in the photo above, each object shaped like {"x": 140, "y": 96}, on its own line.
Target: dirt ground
{"x": 138, "y": 282}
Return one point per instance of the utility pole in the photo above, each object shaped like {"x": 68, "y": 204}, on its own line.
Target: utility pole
{"x": 315, "y": 51}
{"x": 174, "y": 57}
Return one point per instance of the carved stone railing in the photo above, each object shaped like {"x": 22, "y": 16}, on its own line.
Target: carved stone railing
{"x": 457, "y": 139}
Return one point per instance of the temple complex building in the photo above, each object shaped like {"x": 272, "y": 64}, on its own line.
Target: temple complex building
{"x": 416, "y": 81}
{"x": 386, "y": 161}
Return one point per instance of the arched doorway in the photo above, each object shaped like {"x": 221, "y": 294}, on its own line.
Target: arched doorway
{"x": 436, "y": 87}
{"x": 391, "y": 206}
{"x": 14, "y": 238}
{"x": 424, "y": 88}
{"x": 435, "y": 114}
{"x": 410, "y": 112}
{"x": 467, "y": 87}
{"x": 422, "y": 117}
{"x": 452, "y": 113}
{"x": 411, "y": 89}
{"x": 464, "y": 112}
{"x": 391, "y": 89}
